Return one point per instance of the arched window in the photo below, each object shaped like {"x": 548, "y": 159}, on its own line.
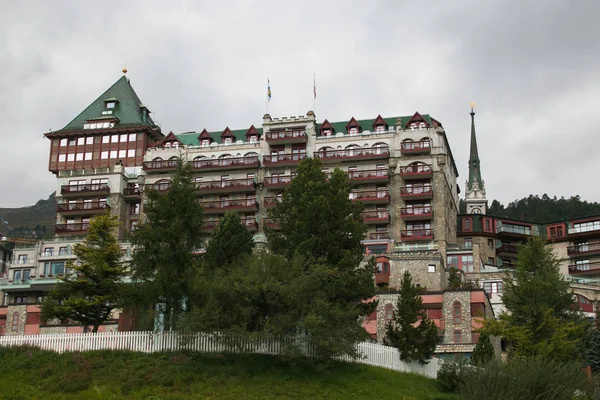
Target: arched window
{"x": 408, "y": 144}
{"x": 251, "y": 155}
{"x": 226, "y": 156}
{"x": 167, "y": 145}
{"x": 585, "y": 304}
{"x": 157, "y": 159}
{"x": 225, "y": 159}
{"x": 380, "y": 148}
{"x": 389, "y": 313}
{"x": 418, "y": 166}
{"x": 163, "y": 184}
{"x": 174, "y": 158}
{"x": 352, "y": 150}
{"x": 325, "y": 152}
{"x": 15, "y": 321}
{"x": 456, "y": 313}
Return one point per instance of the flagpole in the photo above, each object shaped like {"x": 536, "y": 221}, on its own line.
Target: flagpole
{"x": 315, "y": 93}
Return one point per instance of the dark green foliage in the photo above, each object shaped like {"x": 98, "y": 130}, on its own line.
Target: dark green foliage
{"x": 454, "y": 281}
{"x": 415, "y": 343}
{"x": 163, "y": 262}
{"x": 229, "y": 241}
{"x": 541, "y": 318}
{"x": 592, "y": 350}
{"x": 94, "y": 288}
{"x": 524, "y": 379}
{"x": 451, "y": 372}
{"x": 484, "y": 351}
{"x": 545, "y": 209}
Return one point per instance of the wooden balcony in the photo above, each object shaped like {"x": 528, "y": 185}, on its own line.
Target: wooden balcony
{"x": 382, "y": 278}
{"x": 226, "y": 186}
{"x": 282, "y": 160}
{"x": 416, "y": 213}
{"x": 378, "y": 236}
{"x": 268, "y": 223}
{"x": 161, "y": 186}
{"x": 376, "y": 217}
{"x": 86, "y": 189}
{"x": 285, "y": 137}
{"x": 581, "y": 250}
{"x": 415, "y": 172}
{"x": 271, "y": 201}
{"x": 371, "y": 197}
{"x": 278, "y": 181}
{"x": 420, "y": 147}
{"x": 224, "y": 164}
{"x": 222, "y": 206}
{"x": 369, "y": 176}
{"x": 356, "y": 154}
{"x": 507, "y": 250}
{"x": 592, "y": 268}
{"x": 159, "y": 166}
{"x": 416, "y": 235}
{"x": 82, "y": 208}
{"x": 71, "y": 229}
{"x": 249, "y": 222}
{"x": 132, "y": 194}
{"x": 420, "y": 192}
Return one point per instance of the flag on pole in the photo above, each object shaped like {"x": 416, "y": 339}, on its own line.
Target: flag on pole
{"x": 268, "y": 89}
{"x": 314, "y": 87}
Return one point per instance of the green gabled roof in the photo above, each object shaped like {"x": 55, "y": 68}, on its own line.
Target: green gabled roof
{"x": 367, "y": 124}
{"x": 191, "y": 138}
{"x": 128, "y": 108}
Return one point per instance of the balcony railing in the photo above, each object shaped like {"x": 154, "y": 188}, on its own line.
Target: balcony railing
{"x": 160, "y": 165}
{"x": 271, "y": 201}
{"x": 583, "y": 249}
{"x": 71, "y": 228}
{"x": 86, "y": 188}
{"x": 370, "y": 175}
{"x": 420, "y": 192}
{"x": 583, "y": 269}
{"x": 408, "y": 235}
{"x": 514, "y": 229}
{"x": 376, "y": 217}
{"x": 269, "y": 223}
{"x": 420, "y": 147}
{"x": 371, "y": 153}
{"x": 371, "y": 197}
{"x": 222, "y": 206}
{"x": 278, "y": 181}
{"x": 132, "y": 192}
{"x": 284, "y": 159}
{"x": 584, "y": 228}
{"x": 160, "y": 186}
{"x": 297, "y": 136}
{"x": 420, "y": 171}
{"x": 416, "y": 213}
{"x": 378, "y": 236}
{"x": 82, "y": 208}
{"x": 229, "y": 186}
{"x": 225, "y": 163}
{"x": 249, "y": 222}
{"x": 507, "y": 249}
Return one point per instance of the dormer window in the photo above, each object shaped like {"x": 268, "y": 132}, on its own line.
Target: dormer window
{"x": 379, "y": 128}
{"x": 110, "y": 104}
{"x": 253, "y": 139}
{"x": 227, "y": 140}
{"x": 353, "y": 131}
{"x": 205, "y": 143}
{"x": 327, "y": 132}
{"x": 107, "y": 112}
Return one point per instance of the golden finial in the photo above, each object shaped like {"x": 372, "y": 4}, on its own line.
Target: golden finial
{"x": 472, "y": 104}
{"x": 124, "y": 69}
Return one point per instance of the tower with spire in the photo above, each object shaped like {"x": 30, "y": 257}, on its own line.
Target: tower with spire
{"x": 475, "y": 198}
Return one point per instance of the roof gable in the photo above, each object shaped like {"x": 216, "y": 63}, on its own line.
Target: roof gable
{"x": 379, "y": 121}
{"x": 226, "y": 133}
{"x": 418, "y": 118}
{"x": 128, "y": 109}
{"x": 326, "y": 125}
{"x": 171, "y": 138}
{"x": 251, "y": 131}
{"x": 353, "y": 123}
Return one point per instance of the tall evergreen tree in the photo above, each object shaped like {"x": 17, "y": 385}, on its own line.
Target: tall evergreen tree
{"x": 92, "y": 287}
{"x": 229, "y": 241}
{"x": 541, "y": 317}
{"x": 411, "y": 332}
{"x": 163, "y": 262}
{"x": 483, "y": 352}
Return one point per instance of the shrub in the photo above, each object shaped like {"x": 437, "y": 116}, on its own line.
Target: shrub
{"x": 449, "y": 375}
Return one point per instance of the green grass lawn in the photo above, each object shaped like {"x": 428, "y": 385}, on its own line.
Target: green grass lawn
{"x": 27, "y": 373}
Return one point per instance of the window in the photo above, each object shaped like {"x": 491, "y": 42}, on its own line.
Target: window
{"x": 89, "y": 140}
{"x": 104, "y": 155}
{"x": 113, "y": 154}
{"x": 205, "y": 142}
{"x": 62, "y": 251}
{"x": 457, "y": 336}
{"x": 110, "y": 104}
{"x": 488, "y": 225}
{"x": 48, "y": 251}
{"x": 431, "y": 268}
{"x": 468, "y": 243}
{"x": 493, "y": 287}
{"x": 490, "y": 261}
{"x": 389, "y": 312}
{"x": 80, "y": 141}
{"x": 79, "y": 157}
{"x": 467, "y": 224}
{"x": 21, "y": 275}
{"x": 122, "y": 153}
{"x": 467, "y": 263}
{"x": 71, "y": 157}
{"x": 54, "y": 268}
{"x": 62, "y": 157}
{"x": 114, "y": 138}
{"x": 327, "y": 132}
{"x": 227, "y": 140}
{"x": 353, "y": 131}
{"x": 105, "y": 139}
{"x": 123, "y": 138}
{"x": 456, "y": 313}
{"x": 22, "y": 259}
{"x": 88, "y": 156}
{"x": 15, "y": 321}
{"x": 132, "y": 225}
{"x": 452, "y": 262}
{"x": 63, "y": 142}
{"x": 556, "y": 231}
{"x": 491, "y": 244}
{"x": 134, "y": 209}
{"x": 132, "y": 137}
{"x": 72, "y": 142}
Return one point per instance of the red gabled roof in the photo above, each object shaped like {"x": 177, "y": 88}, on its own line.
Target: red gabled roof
{"x": 204, "y": 135}
{"x": 227, "y": 133}
{"x": 326, "y": 125}
{"x": 417, "y": 118}
{"x": 251, "y": 131}
{"x": 352, "y": 123}
{"x": 379, "y": 121}
{"x": 171, "y": 138}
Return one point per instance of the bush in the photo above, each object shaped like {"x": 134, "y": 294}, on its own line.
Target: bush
{"x": 450, "y": 374}
{"x": 531, "y": 378}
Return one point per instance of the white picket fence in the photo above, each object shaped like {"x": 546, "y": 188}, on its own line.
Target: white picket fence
{"x": 372, "y": 353}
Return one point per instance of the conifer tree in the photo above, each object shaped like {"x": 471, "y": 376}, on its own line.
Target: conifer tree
{"x": 483, "y": 352}
{"x": 165, "y": 242}
{"x": 92, "y": 287}
{"x": 454, "y": 281}
{"x": 228, "y": 241}
{"x": 411, "y": 332}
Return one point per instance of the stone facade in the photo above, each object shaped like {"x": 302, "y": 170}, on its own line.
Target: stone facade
{"x": 455, "y": 326}
{"x": 418, "y": 264}
{"x": 12, "y": 313}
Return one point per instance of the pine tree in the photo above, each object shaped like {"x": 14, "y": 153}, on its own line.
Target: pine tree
{"x": 454, "y": 281}
{"x": 229, "y": 241}
{"x": 411, "y": 332}
{"x": 93, "y": 289}
{"x": 483, "y": 352}
{"x": 163, "y": 262}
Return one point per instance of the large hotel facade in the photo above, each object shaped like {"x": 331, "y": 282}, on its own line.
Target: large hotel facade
{"x": 400, "y": 167}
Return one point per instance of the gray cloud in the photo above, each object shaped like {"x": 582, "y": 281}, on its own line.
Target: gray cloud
{"x": 530, "y": 66}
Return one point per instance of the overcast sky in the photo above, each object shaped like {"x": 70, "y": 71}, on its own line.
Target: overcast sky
{"x": 532, "y": 67}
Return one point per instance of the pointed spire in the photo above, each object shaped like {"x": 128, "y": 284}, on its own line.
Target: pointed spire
{"x": 474, "y": 164}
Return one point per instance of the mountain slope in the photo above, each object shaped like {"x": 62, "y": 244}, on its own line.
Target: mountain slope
{"x": 32, "y": 221}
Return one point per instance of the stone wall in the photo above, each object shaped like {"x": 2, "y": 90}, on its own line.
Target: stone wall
{"x": 417, "y": 263}
{"x": 463, "y": 297}
{"x": 12, "y": 309}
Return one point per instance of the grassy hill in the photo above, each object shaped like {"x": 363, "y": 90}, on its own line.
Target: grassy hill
{"x": 29, "y": 373}
{"x": 32, "y": 221}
